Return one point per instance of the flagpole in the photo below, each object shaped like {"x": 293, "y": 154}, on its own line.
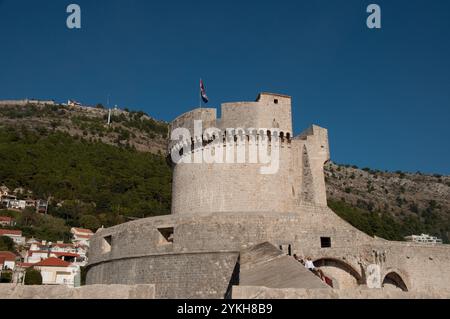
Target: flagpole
{"x": 200, "y": 93}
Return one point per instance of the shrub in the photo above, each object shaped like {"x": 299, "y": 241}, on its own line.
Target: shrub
{"x": 6, "y": 277}
{"x": 6, "y": 244}
{"x": 33, "y": 277}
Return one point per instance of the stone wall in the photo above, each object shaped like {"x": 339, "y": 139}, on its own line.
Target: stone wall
{"x": 176, "y": 276}
{"x": 10, "y": 291}
{"x": 26, "y": 102}
{"x": 292, "y": 175}
{"x": 198, "y": 261}
{"x": 243, "y": 292}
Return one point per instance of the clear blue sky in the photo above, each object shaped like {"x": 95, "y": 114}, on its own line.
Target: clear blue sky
{"x": 384, "y": 95}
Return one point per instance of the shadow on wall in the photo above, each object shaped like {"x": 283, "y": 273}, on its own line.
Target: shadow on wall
{"x": 344, "y": 276}
{"x": 234, "y": 281}
{"x": 394, "y": 281}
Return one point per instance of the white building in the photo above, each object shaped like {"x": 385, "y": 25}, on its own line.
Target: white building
{"x": 6, "y": 199}
{"x": 424, "y": 239}
{"x": 15, "y": 235}
{"x": 63, "y": 248}
{"x": 17, "y": 204}
{"x": 81, "y": 236}
{"x": 7, "y": 260}
{"x": 6, "y": 221}
{"x": 36, "y": 256}
{"x": 55, "y": 271}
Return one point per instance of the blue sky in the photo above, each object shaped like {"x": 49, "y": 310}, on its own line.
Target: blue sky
{"x": 383, "y": 94}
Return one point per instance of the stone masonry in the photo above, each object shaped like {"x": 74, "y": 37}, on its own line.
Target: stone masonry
{"x": 220, "y": 210}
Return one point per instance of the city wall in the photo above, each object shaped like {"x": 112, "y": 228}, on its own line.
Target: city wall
{"x": 201, "y": 258}
{"x": 11, "y": 291}
{"x": 245, "y": 292}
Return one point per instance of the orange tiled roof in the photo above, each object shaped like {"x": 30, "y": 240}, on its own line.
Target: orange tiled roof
{"x": 4, "y": 232}
{"x": 9, "y": 256}
{"x": 82, "y": 230}
{"x": 53, "y": 262}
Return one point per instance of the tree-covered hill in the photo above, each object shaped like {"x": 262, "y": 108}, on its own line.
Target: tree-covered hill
{"x": 390, "y": 204}
{"x": 126, "y": 128}
{"x": 89, "y": 183}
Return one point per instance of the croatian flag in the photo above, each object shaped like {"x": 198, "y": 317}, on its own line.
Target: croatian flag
{"x": 203, "y": 92}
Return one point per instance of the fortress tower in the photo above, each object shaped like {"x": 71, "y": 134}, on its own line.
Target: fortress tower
{"x": 237, "y": 184}
{"x": 234, "y": 223}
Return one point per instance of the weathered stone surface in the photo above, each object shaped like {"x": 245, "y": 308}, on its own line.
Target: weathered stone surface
{"x": 266, "y": 265}
{"x": 248, "y": 292}
{"x": 220, "y": 210}
{"x": 9, "y": 291}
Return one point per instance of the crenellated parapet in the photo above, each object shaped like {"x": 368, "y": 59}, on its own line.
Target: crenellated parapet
{"x": 247, "y": 160}
{"x": 270, "y": 114}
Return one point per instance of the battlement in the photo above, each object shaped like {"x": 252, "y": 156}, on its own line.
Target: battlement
{"x": 270, "y": 112}
{"x": 276, "y": 98}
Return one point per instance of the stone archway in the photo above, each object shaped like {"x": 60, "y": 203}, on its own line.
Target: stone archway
{"x": 393, "y": 281}
{"x": 343, "y": 275}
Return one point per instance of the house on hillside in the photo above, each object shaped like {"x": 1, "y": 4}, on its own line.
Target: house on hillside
{"x": 424, "y": 239}
{"x": 7, "y": 260}
{"x": 6, "y": 199}
{"x": 55, "y": 271}
{"x": 32, "y": 241}
{"x": 73, "y": 258}
{"x": 60, "y": 247}
{"x": 6, "y": 221}
{"x": 17, "y": 204}
{"x": 36, "y": 256}
{"x": 15, "y": 235}
{"x": 39, "y": 251}
{"x": 81, "y": 236}
{"x": 41, "y": 206}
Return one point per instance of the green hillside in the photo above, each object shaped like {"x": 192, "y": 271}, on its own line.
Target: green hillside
{"x": 90, "y": 183}
{"x": 382, "y": 224}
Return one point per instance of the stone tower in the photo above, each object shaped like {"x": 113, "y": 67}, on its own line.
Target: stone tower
{"x": 239, "y": 185}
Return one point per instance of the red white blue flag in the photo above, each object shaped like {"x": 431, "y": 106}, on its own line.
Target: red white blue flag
{"x": 203, "y": 92}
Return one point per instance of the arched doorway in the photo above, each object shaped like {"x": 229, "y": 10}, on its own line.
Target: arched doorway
{"x": 394, "y": 281}
{"x": 343, "y": 275}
